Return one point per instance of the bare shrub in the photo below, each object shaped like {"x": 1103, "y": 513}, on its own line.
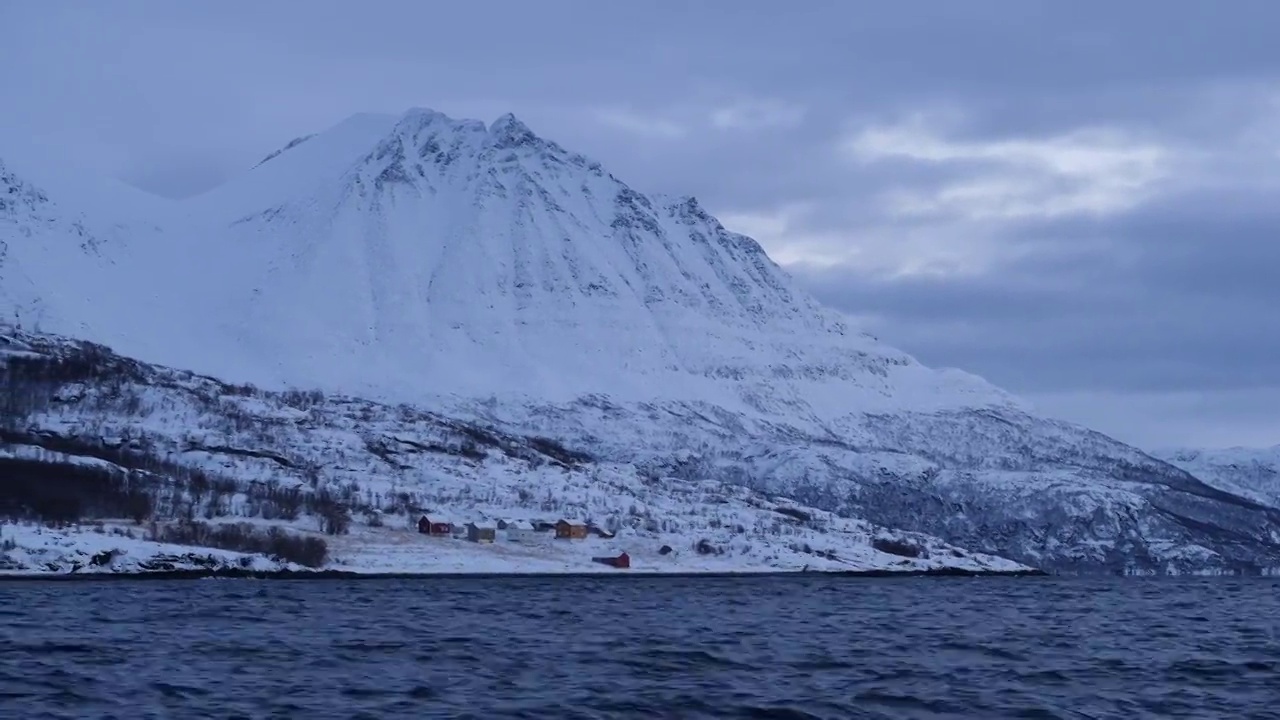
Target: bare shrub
{"x": 64, "y": 492}
{"x": 245, "y": 538}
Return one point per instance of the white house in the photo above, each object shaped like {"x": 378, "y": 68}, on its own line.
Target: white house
{"x": 459, "y": 529}
{"x": 521, "y": 531}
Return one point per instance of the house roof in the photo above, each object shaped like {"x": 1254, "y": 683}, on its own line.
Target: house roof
{"x": 519, "y": 525}
{"x": 440, "y": 518}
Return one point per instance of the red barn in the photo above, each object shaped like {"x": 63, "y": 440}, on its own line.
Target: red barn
{"x": 427, "y": 526}
{"x": 622, "y": 562}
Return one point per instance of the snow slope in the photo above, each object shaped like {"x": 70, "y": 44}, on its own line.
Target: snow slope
{"x": 114, "y": 273}
{"x": 43, "y": 254}
{"x": 486, "y": 275}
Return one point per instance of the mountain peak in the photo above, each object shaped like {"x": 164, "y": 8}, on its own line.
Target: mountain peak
{"x": 507, "y": 130}
{"x": 430, "y": 130}
{"x": 417, "y": 118}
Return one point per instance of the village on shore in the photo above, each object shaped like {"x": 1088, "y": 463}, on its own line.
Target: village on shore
{"x": 522, "y": 531}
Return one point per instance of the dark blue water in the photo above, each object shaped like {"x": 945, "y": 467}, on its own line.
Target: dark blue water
{"x": 773, "y": 647}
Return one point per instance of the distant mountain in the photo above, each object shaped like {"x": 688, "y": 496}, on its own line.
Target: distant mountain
{"x": 1253, "y": 473}
{"x": 487, "y": 274}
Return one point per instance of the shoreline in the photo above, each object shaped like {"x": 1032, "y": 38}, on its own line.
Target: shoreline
{"x": 239, "y": 574}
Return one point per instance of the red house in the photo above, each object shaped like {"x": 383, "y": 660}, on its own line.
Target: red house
{"x": 438, "y": 527}
{"x": 622, "y": 562}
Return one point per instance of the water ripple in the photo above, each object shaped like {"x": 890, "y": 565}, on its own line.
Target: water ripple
{"x": 803, "y": 647}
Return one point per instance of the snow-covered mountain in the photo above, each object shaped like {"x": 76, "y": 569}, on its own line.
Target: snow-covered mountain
{"x": 1253, "y": 473}
{"x": 427, "y": 255}
{"x": 492, "y": 276}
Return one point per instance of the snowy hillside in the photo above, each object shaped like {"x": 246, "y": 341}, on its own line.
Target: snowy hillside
{"x": 87, "y": 433}
{"x": 482, "y": 274}
{"x": 1249, "y": 472}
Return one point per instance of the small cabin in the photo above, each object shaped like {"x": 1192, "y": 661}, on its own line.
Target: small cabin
{"x": 621, "y": 562}
{"x": 566, "y": 530}
{"x": 600, "y": 532}
{"x": 481, "y": 533}
{"x": 438, "y": 527}
{"x": 520, "y": 531}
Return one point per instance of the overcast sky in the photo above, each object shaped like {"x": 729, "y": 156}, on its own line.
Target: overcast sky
{"x": 1076, "y": 200}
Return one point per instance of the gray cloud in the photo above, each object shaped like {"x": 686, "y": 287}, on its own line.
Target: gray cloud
{"x": 1072, "y": 199}
{"x": 1178, "y": 299}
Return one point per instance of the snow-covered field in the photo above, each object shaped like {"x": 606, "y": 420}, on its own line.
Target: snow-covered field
{"x": 382, "y": 550}
{"x": 118, "y": 547}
